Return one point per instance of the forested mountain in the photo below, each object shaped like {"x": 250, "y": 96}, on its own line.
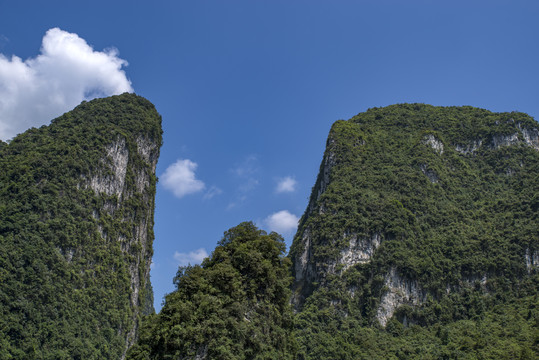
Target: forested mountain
{"x": 420, "y": 241}
{"x": 76, "y": 231}
{"x": 421, "y": 238}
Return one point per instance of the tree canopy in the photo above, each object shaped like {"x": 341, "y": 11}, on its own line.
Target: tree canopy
{"x": 235, "y": 305}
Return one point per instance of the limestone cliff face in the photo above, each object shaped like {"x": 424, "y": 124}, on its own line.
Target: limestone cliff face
{"x": 109, "y": 180}
{"x": 305, "y": 266}
{"x": 87, "y": 184}
{"x": 399, "y": 291}
{"x": 523, "y": 134}
{"x": 394, "y": 185}
{"x": 126, "y": 175}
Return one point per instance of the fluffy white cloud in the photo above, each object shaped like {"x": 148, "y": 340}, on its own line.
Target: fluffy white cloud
{"x": 282, "y": 222}
{"x": 180, "y": 178}
{"x": 67, "y": 71}
{"x": 192, "y": 257}
{"x": 287, "y": 184}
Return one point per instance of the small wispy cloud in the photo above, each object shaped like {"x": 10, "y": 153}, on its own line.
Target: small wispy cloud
{"x": 241, "y": 199}
{"x": 247, "y": 168}
{"x": 282, "y": 222}
{"x": 286, "y": 185}
{"x": 248, "y": 185}
{"x": 180, "y": 178}
{"x": 246, "y": 174}
{"x": 3, "y": 40}
{"x": 190, "y": 258}
{"x": 212, "y": 191}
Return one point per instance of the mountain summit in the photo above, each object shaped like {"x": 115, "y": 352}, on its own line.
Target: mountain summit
{"x": 421, "y": 217}
{"x": 76, "y": 231}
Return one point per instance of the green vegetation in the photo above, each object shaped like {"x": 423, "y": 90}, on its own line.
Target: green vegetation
{"x": 452, "y": 194}
{"x": 233, "y": 306}
{"x": 66, "y": 250}
{"x": 506, "y": 331}
{"x": 440, "y": 202}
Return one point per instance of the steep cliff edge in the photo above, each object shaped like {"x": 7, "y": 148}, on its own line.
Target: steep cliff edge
{"x": 421, "y": 215}
{"x": 76, "y": 231}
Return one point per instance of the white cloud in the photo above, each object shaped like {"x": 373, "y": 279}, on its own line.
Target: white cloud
{"x": 67, "y": 71}
{"x": 192, "y": 257}
{"x": 282, "y": 222}
{"x": 287, "y": 184}
{"x": 180, "y": 178}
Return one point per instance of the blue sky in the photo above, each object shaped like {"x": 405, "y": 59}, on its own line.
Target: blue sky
{"x": 248, "y": 90}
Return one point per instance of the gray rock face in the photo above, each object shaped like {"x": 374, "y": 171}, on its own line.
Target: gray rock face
{"x": 431, "y": 174}
{"x": 433, "y": 142}
{"x": 525, "y": 136}
{"x": 504, "y": 140}
{"x": 324, "y": 177}
{"x": 303, "y": 264}
{"x": 469, "y": 148}
{"x": 399, "y": 291}
{"x": 531, "y": 137}
{"x": 110, "y": 180}
{"x": 359, "y": 250}
{"x": 532, "y": 260}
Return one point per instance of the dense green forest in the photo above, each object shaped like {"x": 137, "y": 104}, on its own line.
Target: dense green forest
{"x": 76, "y": 231}
{"x": 233, "y": 306}
{"x": 441, "y": 203}
{"x": 420, "y": 241}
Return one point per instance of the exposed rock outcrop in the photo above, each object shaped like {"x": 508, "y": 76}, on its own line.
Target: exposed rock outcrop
{"x": 324, "y": 176}
{"x": 532, "y": 260}
{"x": 435, "y": 143}
{"x": 110, "y": 179}
{"x": 528, "y": 136}
{"x": 399, "y": 291}
{"x": 360, "y": 250}
{"x": 431, "y": 174}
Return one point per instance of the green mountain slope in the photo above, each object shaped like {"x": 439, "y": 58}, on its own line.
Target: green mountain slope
{"x": 76, "y": 231}
{"x": 421, "y": 238}
{"x": 233, "y": 306}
